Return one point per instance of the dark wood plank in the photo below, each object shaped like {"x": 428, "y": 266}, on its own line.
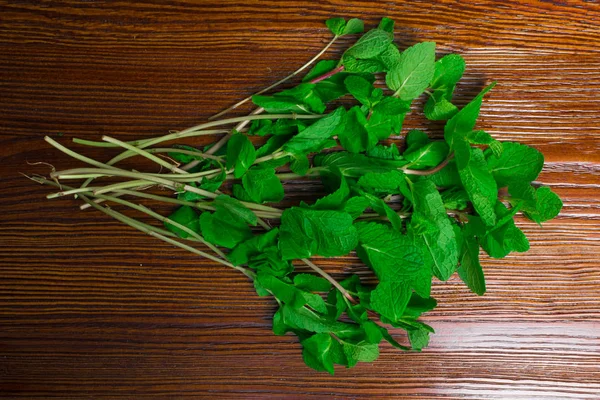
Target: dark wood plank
{"x": 92, "y": 309}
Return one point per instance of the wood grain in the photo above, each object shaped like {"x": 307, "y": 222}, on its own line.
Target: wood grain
{"x": 92, "y": 309}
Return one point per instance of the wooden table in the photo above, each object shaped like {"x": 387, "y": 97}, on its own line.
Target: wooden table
{"x": 92, "y": 309}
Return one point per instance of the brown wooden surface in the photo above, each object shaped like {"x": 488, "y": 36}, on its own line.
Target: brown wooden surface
{"x": 92, "y": 309}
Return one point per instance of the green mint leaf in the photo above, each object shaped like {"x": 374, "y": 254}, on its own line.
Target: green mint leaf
{"x": 386, "y": 153}
{"x": 235, "y": 208}
{"x": 360, "y": 88}
{"x": 381, "y": 183}
{"x": 353, "y": 26}
{"x": 300, "y": 164}
{"x": 352, "y": 133}
{"x": 447, "y": 177}
{"x": 240, "y": 154}
{"x": 386, "y": 24}
{"x": 518, "y": 162}
{"x": 480, "y": 186}
{"x": 305, "y": 95}
{"x": 390, "y": 57}
{"x": 308, "y": 320}
{"x": 186, "y": 216}
{"x": 413, "y": 72}
{"x": 548, "y": 205}
{"x": 448, "y": 71}
{"x": 363, "y": 351}
{"x": 440, "y": 249}
{"x": 381, "y": 126}
{"x": 455, "y": 198}
{"x": 357, "y": 65}
{"x": 311, "y": 283}
{"x": 339, "y": 27}
{"x": 240, "y": 193}
{"x": 355, "y": 206}
{"x": 317, "y": 352}
{"x": 336, "y": 25}
{"x": 269, "y": 261}
{"x": 523, "y": 195}
{"x": 438, "y": 107}
{"x": 392, "y": 106}
{"x": 335, "y": 200}
{"x": 418, "y": 305}
{"x": 482, "y": 137}
{"x": 464, "y": 121}
{"x": 419, "y": 338}
{"x": 392, "y": 256}
{"x": 228, "y": 225}
{"x": 427, "y": 156}
{"x": 381, "y": 208}
{"x": 291, "y": 295}
{"x": 313, "y": 137}
{"x": 504, "y": 237}
{"x": 390, "y": 299}
{"x": 538, "y": 205}
{"x": 470, "y": 270}
{"x": 254, "y": 246}
{"x": 223, "y": 229}
{"x": 391, "y": 340}
{"x": 356, "y": 165}
{"x": 280, "y": 104}
{"x": 306, "y": 232}
{"x": 262, "y": 185}
{"x": 185, "y": 158}
{"x": 415, "y": 139}
{"x": 260, "y": 127}
{"x": 320, "y": 68}
{"x": 369, "y": 45}
{"x": 272, "y": 144}
{"x": 333, "y": 87}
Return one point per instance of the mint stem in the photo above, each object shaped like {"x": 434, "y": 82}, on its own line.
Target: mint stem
{"x": 226, "y": 138}
{"x": 328, "y": 74}
{"x": 432, "y": 171}
{"x": 325, "y": 275}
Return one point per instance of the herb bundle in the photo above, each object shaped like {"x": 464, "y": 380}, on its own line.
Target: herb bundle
{"x": 410, "y": 212}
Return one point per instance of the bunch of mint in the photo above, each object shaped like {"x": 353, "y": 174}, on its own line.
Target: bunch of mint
{"x": 411, "y": 210}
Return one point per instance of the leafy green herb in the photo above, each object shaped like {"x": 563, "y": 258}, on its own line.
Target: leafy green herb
{"x": 413, "y": 210}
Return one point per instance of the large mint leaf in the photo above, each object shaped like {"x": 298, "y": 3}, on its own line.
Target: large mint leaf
{"x": 412, "y": 74}
{"x": 393, "y": 257}
{"x": 480, "y": 186}
{"x": 307, "y": 232}
{"x": 440, "y": 242}
{"x": 312, "y": 138}
{"x": 517, "y": 162}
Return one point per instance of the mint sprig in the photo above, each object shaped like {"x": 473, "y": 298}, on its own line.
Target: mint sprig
{"x": 412, "y": 211}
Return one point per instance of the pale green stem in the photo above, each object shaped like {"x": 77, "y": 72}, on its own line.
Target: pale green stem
{"x": 200, "y": 205}
{"x": 134, "y": 175}
{"x": 144, "y": 228}
{"x": 76, "y": 155}
{"x": 147, "y": 211}
{"x": 226, "y": 138}
{"x": 431, "y": 171}
{"x": 325, "y": 275}
{"x": 199, "y": 130}
{"x": 143, "y": 153}
{"x": 140, "y": 180}
{"x": 93, "y": 143}
{"x": 140, "y": 142}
